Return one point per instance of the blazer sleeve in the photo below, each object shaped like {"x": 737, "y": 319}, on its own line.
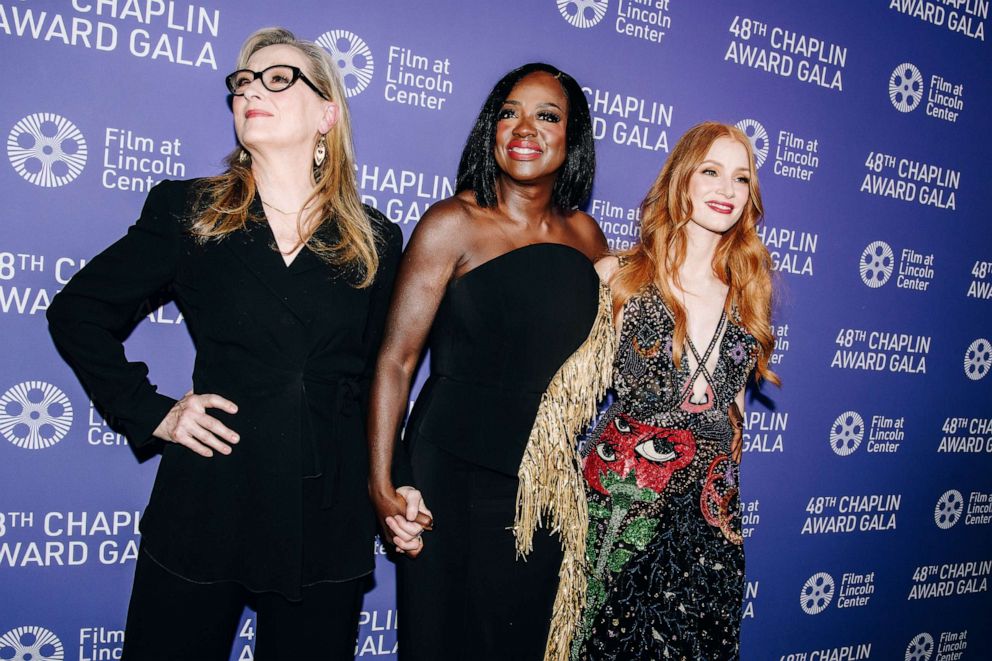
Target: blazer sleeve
{"x": 88, "y": 318}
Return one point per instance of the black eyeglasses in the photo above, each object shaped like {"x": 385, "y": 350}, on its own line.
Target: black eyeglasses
{"x": 276, "y": 78}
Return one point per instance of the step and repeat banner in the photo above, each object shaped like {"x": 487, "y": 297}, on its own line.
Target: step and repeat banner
{"x": 867, "y": 485}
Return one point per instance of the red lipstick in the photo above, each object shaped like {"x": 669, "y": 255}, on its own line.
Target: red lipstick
{"x": 524, "y": 150}
{"x": 721, "y": 207}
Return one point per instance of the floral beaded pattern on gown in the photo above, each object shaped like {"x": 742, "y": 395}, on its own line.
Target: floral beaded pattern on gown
{"x": 665, "y": 553}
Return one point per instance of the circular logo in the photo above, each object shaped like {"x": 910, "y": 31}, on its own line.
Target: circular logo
{"x": 34, "y": 643}
{"x": 948, "y": 509}
{"x": 846, "y": 433}
{"x": 920, "y": 648}
{"x": 583, "y": 13}
{"x": 905, "y": 87}
{"x": 877, "y": 262}
{"x": 46, "y": 149}
{"x": 978, "y": 359}
{"x": 758, "y": 136}
{"x": 352, "y": 56}
{"x": 34, "y": 415}
{"x": 817, "y": 593}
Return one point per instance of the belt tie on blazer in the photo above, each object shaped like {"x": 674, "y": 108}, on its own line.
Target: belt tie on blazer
{"x": 348, "y": 408}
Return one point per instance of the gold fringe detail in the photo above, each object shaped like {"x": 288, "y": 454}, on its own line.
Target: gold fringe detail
{"x": 551, "y": 489}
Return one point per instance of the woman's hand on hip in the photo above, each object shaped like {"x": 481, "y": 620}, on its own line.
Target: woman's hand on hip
{"x": 189, "y": 424}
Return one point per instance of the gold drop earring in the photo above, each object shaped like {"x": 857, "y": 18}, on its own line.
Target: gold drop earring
{"x": 319, "y": 152}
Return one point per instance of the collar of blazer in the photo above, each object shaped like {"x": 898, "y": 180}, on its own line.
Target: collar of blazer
{"x": 255, "y": 247}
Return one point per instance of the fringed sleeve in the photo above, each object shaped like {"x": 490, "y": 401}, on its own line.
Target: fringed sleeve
{"x": 551, "y": 491}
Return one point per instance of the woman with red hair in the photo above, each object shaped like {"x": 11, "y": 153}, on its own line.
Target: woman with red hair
{"x": 692, "y": 303}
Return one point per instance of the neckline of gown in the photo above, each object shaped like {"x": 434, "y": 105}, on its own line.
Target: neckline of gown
{"x": 718, "y": 341}
{"x": 539, "y": 244}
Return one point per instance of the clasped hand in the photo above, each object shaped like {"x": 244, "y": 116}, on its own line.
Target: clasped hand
{"x": 188, "y": 423}
{"x": 403, "y": 514}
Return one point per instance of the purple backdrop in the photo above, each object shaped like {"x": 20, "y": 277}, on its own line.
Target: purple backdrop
{"x": 867, "y": 496}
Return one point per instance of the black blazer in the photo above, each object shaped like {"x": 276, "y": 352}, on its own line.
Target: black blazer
{"x": 294, "y": 347}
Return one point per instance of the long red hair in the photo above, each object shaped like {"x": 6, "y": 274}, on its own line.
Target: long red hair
{"x": 741, "y": 260}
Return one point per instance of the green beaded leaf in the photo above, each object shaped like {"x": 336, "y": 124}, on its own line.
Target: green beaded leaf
{"x": 591, "y": 546}
{"x": 640, "y": 532}
{"x": 596, "y": 590}
{"x": 597, "y": 511}
{"x": 625, "y": 490}
{"x": 611, "y": 479}
{"x": 621, "y": 501}
{"x": 618, "y": 559}
{"x": 646, "y": 495}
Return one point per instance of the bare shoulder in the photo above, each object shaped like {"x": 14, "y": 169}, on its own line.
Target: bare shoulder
{"x": 449, "y": 214}
{"x": 607, "y": 267}
{"x": 444, "y": 226}
{"x": 591, "y": 239}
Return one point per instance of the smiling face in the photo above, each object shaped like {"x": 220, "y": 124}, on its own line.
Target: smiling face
{"x": 279, "y": 120}
{"x": 718, "y": 187}
{"x": 531, "y": 139}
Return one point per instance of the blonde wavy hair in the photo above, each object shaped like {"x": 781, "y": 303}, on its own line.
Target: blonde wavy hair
{"x": 741, "y": 260}
{"x": 226, "y": 198}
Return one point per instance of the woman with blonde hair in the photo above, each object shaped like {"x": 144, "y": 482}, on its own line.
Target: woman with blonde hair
{"x": 693, "y": 304}
{"x": 284, "y": 279}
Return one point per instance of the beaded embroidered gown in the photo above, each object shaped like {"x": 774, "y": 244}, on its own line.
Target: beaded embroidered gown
{"x": 665, "y": 553}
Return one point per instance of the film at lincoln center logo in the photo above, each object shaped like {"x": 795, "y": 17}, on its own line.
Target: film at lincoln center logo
{"x": 817, "y": 593}
{"x": 34, "y": 643}
{"x": 978, "y": 359}
{"x": 948, "y": 510}
{"x": 583, "y": 13}
{"x": 34, "y": 415}
{"x": 920, "y": 648}
{"x": 46, "y": 149}
{"x": 906, "y": 87}
{"x": 877, "y": 263}
{"x": 758, "y": 136}
{"x": 846, "y": 433}
{"x": 353, "y": 58}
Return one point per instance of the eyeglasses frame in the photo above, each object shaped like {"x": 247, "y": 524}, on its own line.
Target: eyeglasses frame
{"x": 256, "y": 75}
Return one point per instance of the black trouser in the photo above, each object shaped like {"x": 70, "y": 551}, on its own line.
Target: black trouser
{"x": 467, "y": 596}
{"x": 173, "y": 619}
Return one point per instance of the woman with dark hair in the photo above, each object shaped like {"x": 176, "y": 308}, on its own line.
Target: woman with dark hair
{"x": 693, "y": 304}
{"x": 501, "y": 275}
{"x": 284, "y": 279}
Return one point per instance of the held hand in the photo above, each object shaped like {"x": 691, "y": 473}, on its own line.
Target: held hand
{"x": 403, "y": 517}
{"x": 189, "y": 424}
{"x": 737, "y": 422}
{"x": 416, "y": 509}
{"x": 408, "y": 527}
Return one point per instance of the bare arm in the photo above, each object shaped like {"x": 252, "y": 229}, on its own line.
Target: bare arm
{"x": 606, "y": 268}
{"x": 736, "y": 415}
{"x": 591, "y": 235}
{"x": 434, "y": 252}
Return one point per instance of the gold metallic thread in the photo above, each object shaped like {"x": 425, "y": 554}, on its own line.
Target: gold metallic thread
{"x": 551, "y": 492}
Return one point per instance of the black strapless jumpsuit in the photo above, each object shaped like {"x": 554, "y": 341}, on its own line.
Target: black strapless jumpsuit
{"x": 502, "y": 331}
